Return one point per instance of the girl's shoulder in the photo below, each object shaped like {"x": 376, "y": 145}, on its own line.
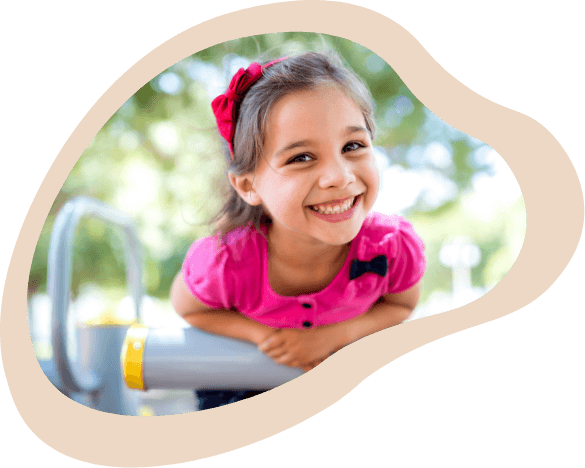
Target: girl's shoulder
{"x": 244, "y": 243}
{"x": 394, "y": 237}
{"x": 235, "y": 246}
{"x": 381, "y": 228}
{"x": 214, "y": 267}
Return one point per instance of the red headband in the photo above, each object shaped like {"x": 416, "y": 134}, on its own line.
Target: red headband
{"x": 225, "y": 106}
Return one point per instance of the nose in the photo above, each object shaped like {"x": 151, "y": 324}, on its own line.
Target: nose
{"x": 338, "y": 172}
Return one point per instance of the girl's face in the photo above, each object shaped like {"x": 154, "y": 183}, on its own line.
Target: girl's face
{"x": 318, "y": 177}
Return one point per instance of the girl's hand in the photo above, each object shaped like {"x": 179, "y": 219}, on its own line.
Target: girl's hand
{"x": 297, "y": 348}
{"x": 312, "y": 365}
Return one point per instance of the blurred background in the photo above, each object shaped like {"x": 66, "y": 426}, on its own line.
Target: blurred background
{"x": 160, "y": 159}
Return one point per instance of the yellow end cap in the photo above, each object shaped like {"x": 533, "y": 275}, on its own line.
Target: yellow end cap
{"x": 132, "y": 356}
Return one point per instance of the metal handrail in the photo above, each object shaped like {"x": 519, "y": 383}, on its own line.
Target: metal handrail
{"x": 59, "y": 279}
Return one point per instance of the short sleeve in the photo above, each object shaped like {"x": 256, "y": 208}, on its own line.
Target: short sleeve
{"x": 204, "y": 272}
{"x": 406, "y": 260}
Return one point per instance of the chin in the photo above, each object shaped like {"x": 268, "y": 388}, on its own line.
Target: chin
{"x": 344, "y": 238}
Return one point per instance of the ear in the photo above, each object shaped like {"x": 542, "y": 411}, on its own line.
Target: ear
{"x": 244, "y": 185}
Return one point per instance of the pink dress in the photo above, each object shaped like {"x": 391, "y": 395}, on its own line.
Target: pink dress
{"x": 235, "y": 274}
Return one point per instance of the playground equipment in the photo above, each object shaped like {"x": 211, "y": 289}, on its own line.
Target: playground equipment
{"x": 187, "y": 358}
{"x": 114, "y": 356}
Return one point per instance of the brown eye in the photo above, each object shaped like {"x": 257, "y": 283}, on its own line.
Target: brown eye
{"x": 352, "y": 146}
{"x": 300, "y": 158}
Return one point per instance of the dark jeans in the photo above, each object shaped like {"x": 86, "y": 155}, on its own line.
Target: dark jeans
{"x": 214, "y": 398}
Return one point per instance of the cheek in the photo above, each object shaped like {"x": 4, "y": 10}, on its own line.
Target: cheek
{"x": 282, "y": 195}
{"x": 373, "y": 189}
{"x": 374, "y": 178}
{"x": 377, "y": 180}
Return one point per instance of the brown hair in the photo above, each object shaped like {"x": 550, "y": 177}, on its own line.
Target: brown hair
{"x": 299, "y": 73}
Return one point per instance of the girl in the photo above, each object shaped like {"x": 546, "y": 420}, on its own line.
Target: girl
{"x": 300, "y": 266}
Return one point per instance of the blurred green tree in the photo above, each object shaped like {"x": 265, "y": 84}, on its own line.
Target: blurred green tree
{"x": 159, "y": 158}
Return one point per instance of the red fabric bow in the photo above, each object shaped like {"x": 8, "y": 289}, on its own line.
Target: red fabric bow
{"x": 225, "y": 106}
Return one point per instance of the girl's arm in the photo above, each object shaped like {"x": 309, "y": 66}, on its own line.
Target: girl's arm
{"x": 229, "y": 323}
{"x": 303, "y": 348}
{"x": 389, "y": 310}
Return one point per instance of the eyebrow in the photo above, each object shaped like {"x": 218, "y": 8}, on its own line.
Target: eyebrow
{"x": 296, "y": 144}
{"x": 348, "y": 131}
{"x": 355, "y": 129}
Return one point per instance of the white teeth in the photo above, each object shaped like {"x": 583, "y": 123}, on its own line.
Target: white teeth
{"x": 336, "y": 209}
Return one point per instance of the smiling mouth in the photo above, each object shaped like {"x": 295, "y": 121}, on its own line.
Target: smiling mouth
{"x": 335, "y": 208}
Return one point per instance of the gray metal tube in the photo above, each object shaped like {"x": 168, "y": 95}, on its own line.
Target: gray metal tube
{"x": 187, "y": 358}
{"x": 99, "y": 351}
{"x": 73, "y": 378}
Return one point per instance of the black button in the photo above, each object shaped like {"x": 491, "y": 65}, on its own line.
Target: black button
{"x": 307, "y": 324}
{"x": 306, "y": 305}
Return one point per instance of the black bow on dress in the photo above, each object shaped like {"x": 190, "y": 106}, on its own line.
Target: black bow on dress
{"x": 378, "y": 265}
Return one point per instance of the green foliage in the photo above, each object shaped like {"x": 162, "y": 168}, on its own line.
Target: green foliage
{"x": 159, "y": 158}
